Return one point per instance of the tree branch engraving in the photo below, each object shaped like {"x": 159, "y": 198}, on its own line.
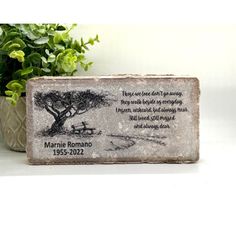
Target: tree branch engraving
{"x": 66, "y": 105}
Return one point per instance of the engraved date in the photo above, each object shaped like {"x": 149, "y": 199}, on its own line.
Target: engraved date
{"x": 68, "y": 152}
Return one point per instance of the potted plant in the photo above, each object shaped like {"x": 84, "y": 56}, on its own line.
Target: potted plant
{"x": 26, "y": 51}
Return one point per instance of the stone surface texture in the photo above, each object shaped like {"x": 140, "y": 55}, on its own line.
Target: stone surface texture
{"x": 113, "y": 119}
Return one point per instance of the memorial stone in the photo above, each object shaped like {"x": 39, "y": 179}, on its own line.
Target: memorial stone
{"x": 113, "y": 119}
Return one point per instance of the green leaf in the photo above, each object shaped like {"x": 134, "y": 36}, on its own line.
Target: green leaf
{"x": 44, "y": 60}
{"x": 42, "y": 31}
{"x": 82, "y": 42}
{"x": 17, "y": 54}
{"x": 91, "y": 41}
{"x": 47, "y": 52}
{"x": 42, "y": 40}
{"x": 65, "y": 37}
{"x": 46, "y": 70}
{"x": 27, "y": 30}
{"x": 7, "y": 45}
{"x": 51, "y": 58}
{"x": 16, "y": 88}
{"x": 57, "y": 38}
{"x": 8, "y": 92}
{"x": 34, "y": 59}
{"x": 15, "y": 96}
{"x": 14, "y": 85}
{"x": 86, "y": 66}
{"x": 12, "y": 35}
{"x": 26, "y": 71}
{"x": 67, "y": 61}
{"x": 59, "y": 47}
{"x": 81, "y": 57}
{"x": 97, "y": 38}
{"x": 14, "y": 46}
{"x": 76, "y": 45}
{"x": 19, "y": 41}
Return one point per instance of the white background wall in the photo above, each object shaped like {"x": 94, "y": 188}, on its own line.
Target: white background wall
{"x": 172, "y": 36}
{"x": 207, "y": 51}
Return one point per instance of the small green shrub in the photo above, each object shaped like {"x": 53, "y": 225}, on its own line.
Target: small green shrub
{"x": 29, "y": 50}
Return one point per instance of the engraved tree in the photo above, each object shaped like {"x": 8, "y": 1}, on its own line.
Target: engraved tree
{"x": 66, "y": 105}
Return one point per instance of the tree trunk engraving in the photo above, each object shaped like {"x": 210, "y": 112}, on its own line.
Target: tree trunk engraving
{"x": 57, "y": 126}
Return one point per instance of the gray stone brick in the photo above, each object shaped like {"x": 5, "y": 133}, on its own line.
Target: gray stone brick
{"x": 113, "y": 119}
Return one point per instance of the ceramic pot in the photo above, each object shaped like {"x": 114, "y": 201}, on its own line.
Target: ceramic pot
{"x": 12, "y": 124}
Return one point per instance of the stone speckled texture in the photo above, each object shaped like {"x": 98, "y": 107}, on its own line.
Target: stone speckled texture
{"x": 113, "y": 119}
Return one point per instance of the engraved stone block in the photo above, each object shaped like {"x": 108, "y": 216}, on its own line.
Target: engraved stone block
{"x": 113, "y": 119}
